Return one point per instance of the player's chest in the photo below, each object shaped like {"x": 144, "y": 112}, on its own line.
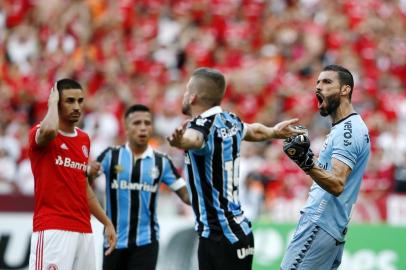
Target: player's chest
{"x": 74, "y": 150}
{"x": 140, "y": 171}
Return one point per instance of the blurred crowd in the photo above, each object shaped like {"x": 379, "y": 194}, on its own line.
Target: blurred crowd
{"x": 143, "y": 51}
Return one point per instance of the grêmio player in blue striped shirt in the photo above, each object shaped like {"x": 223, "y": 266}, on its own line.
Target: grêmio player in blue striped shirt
{"x": 134, "y": 172}
{"x": 212, "y": 140}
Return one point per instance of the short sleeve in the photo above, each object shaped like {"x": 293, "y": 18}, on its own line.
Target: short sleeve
{"x": 32, "y": 135}
{"x": 347, "y": 145}
{"x": 170, "y": 175}
{"x": 202, "y": 125}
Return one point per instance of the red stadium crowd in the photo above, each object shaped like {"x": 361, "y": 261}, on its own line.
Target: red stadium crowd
{"x": 142, "y": 51}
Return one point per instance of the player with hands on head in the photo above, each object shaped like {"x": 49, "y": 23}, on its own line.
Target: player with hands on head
{"x": 212, "y": 142}
{"x": 318, "y": 242}
{"x": 59, "y": 152}
{"x": 134, "y": 172}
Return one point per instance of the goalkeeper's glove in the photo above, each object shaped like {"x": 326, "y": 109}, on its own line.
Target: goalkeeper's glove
{"x": 298, "y": 149}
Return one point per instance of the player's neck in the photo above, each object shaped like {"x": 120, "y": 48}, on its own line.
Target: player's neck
{"x": 67, "y": 128}
{"x": 198, "y": 110}
{"x": 342, "y": 112}
{"x": 138, "y": 150}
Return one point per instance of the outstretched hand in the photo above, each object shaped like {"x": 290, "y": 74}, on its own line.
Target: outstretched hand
{"x": 284, "y": 129}
{"x": 175, "y": 139}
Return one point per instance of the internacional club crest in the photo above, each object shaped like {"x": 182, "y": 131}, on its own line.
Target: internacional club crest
{"x": 52, "y": 267}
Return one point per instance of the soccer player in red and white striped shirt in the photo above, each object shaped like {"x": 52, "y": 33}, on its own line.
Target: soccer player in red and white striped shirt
{"x": 59, "y": 152}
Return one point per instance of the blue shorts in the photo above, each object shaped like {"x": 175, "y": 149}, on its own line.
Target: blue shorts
{"x": 312, "y": 248}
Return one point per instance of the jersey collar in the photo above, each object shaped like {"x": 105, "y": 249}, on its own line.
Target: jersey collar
{"x": 212, "y": 111}
{"x": 66, "y": 134}
{"x": 149, "y": 152}
{"x": 345, "y": 118}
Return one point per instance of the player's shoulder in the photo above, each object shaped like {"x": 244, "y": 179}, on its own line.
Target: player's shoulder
{"x": 35, "y": 127}
{"x": 353, "y": 125}
{"x": 115, "y": 148}
{"x": 202, "y": 120}
{"x": 161, "y": 154}
{"x": 81, "y": 132}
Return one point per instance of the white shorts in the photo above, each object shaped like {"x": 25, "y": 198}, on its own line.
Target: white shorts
{"x": 62, "y": 250}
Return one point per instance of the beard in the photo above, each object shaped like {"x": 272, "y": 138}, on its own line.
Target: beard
{"x": 332, "y": 104}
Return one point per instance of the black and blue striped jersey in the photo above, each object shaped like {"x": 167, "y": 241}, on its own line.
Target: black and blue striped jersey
{"x": 132, "y": 188}
{"x": 213, "y": 176}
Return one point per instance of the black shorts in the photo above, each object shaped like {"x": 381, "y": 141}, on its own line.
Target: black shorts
{"x": 140, "y": 258}
{"x": 221, "y": 254}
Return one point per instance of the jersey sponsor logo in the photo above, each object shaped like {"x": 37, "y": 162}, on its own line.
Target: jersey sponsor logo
{"x": 227, "y": 132}
{"x": 63, "y": 146}
{"x": 347, "y": 133}
{"x": 85, "y": 151}
{"x": 201, "y": 121}
{"x": 321, "y": 165}
{"x": 68, "y": 163}
{"x": 124, "y": 184}
{"x": 52, "y": 267}
{"x": 244, "y": 252}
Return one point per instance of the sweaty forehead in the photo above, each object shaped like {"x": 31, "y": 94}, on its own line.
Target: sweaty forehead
{"x": 332, "y": 75}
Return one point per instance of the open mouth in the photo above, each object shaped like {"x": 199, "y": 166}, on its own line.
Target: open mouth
{"x": 320, "y": 99}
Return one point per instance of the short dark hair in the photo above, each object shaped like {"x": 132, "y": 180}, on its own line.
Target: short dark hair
{"x": 213, "y": 86}
{"x": 136, "y": 108}
{"x": 344, "y": 76}
{"x": 67, "y": 84}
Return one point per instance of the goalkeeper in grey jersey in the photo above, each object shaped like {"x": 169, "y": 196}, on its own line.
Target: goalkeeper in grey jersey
{"x": 318, "y": 241}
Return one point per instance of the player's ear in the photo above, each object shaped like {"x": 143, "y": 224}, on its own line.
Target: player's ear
{"x": 192, "y": 98}
{"x": 345, "y": 90}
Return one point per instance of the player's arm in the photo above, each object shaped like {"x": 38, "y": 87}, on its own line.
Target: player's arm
{"x": 93, "y": 171}
{"x": 97, "y": 211}
{"x": 49, "y": 125}
{"x": 298, "y": 149}
{"x": 331, "y": 181}
{"x": 175, "y": 182}
{"x": 258, "y": 132}
{"x": 183, "y": 195}
{"x": 186, "y": 138}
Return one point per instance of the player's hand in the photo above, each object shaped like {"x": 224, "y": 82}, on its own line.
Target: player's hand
{"x": 94, "y": 169}
{"x": 53, "y": 95}
{"x": 284, "y": 129}
{"x": 175, "y": 139}
{"x": 111, "y": 236}
{"x": 298, "y": 149}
